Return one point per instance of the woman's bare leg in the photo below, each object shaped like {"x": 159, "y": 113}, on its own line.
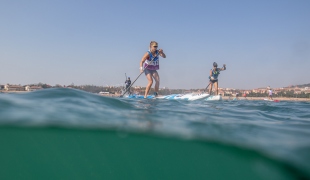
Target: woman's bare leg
{"x": 210, "y": 89}
{"x": 157, "y": 81}
{"x": 149, "y": 84}
{"x": 216, "y": 88}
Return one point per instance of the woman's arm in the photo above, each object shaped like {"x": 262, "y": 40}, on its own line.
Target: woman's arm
{"x": 223, "y": 68}
{"x": 161, "y": 53}
{"x": 145, "y": 56}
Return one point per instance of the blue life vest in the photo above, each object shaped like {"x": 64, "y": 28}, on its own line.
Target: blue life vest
{"x": 215, "y": 74}
{"x": 152, "y": 63}
{"x": 151, "y": 56}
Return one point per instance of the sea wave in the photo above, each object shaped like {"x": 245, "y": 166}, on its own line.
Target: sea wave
{"x": 278, "y": 130}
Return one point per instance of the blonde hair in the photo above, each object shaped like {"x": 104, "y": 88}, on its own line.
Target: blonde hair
{"x": 153, "y": 42}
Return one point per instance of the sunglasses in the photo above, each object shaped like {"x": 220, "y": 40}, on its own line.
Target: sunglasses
{"x": 155, "y": 46}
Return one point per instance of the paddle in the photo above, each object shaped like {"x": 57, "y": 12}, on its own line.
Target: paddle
{"x": 206, "y": 87}
{"x": 139, "y": 74}
{"x": 125, "y": 81}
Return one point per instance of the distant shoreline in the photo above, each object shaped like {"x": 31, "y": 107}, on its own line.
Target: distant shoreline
{"x": 262, "y": 98}
{"x": 2, "y": 91}
{"x": 224, "y": 97}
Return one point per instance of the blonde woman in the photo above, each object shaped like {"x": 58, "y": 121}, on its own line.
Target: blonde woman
{"x": 150, "y": 64}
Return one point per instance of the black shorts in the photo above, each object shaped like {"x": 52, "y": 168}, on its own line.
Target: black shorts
{"x": 213, "y": 81}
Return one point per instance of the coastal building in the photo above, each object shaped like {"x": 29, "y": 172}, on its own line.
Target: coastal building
{"x": 137, "y": 87}
{"x": 222, "y": 92}
{"x": 259, "y": 90}
{"x": 246, "y": 92}
{"x": 33, "y": 88}
{"x": 228, "y": 92}
{"x": 10, "y": 87}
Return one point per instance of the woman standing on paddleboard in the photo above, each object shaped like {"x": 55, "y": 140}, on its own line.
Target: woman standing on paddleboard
{"x": 150, "y": 64}
{"x": 214, "y": 73}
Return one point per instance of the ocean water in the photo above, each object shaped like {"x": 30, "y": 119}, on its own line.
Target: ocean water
{"x": 72, "y": 134}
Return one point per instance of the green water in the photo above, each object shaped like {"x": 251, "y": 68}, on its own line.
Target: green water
{"x": 59, "y": 153}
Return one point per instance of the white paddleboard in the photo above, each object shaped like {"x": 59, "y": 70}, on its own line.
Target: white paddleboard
{"x": 189, "y": 97}
{"x": 214, "y": 98}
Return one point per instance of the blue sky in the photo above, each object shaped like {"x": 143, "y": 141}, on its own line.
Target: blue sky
{"x": 263, "y": 43}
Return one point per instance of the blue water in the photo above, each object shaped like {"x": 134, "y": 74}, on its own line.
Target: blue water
{"x": 279, "y": 132}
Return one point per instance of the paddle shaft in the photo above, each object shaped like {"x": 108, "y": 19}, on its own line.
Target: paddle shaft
{"x": 125, "y": 80}
{"x": 208, "y": 85}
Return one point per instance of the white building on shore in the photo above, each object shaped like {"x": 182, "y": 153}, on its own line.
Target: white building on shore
{"x": 10, "y": 87}
{"x": 33, "y": 88}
